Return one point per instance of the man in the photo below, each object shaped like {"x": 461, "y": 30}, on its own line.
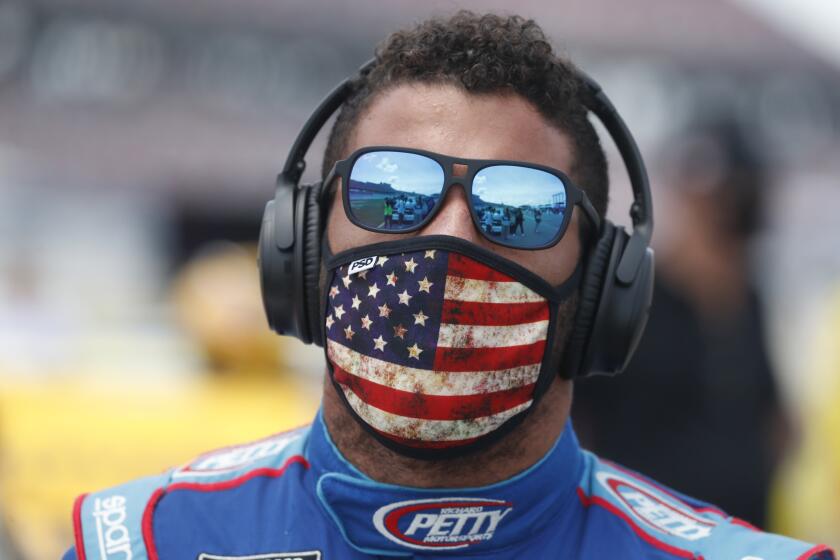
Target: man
{"x": 703, "y": 361}
{"x": 520, "y": 222}
{"x": 463, "y": 449}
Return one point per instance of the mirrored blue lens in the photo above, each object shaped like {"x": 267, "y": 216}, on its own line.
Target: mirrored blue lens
{"x": 393, "y": 191}
{"x": 519, "y": 206}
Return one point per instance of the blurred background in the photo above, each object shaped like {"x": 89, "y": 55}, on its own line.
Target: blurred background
{"x": 139, "y": 143}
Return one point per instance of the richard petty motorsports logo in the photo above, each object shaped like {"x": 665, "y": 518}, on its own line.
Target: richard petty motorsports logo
{"x": 444, "y": 523}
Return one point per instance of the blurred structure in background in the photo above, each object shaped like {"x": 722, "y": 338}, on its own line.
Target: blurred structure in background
{"x": 132, "y": 134}
{"x": 700, "y": 385}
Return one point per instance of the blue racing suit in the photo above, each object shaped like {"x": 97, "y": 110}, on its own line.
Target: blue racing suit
{"x": 293, "y": 496}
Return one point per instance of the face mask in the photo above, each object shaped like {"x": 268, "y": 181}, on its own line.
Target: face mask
{"x": 438, "y": 346}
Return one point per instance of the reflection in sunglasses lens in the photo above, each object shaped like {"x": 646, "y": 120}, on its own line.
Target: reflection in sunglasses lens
{"x": 393, "y": 191}
{"x": 519, "y": 206}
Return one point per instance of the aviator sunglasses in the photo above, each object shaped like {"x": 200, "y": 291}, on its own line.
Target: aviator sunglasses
{"x": 514, "y": 204}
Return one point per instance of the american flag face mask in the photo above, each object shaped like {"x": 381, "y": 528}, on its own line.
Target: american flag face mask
{"x": 436, "y": 345}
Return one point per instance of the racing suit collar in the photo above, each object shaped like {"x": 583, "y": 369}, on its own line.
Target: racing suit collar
{"x": 393, "y": 520}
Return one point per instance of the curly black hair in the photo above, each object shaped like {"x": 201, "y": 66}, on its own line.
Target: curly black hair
{"x": 483, "y": 54}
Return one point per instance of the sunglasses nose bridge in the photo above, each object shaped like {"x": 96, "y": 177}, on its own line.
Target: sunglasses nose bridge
{"x": 464, "y": 193}
{"x": 454, "y": 216}
{"x": 459, "y": 170}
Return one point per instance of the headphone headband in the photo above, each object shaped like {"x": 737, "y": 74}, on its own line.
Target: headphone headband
{"x": 597, "y": 102}
{"x": 295, "y": 163}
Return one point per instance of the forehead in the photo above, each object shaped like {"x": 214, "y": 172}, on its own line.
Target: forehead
{"x": 448, "y": 120}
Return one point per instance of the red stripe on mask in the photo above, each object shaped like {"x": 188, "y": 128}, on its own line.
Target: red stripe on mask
{"x": 487, "y": 359}
{"x": 433, "y": 407}
{"x": 493, "y": 314}
{"x": 465, "y": 267}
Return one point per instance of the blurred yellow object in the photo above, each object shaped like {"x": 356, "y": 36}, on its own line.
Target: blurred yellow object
{"x": 58, "y": 440}
{"x": 216, "y": 297}
{"x": 806, "y": 501}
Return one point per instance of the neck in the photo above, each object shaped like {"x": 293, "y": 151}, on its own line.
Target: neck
{"x": 514, "y": 453}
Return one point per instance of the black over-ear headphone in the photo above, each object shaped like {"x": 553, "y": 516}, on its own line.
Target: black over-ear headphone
{"x": 617, "y": 285}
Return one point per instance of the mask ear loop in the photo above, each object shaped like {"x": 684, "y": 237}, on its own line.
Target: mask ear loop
{"x": 324, "y": 278}
{"x": 555, "y": 349}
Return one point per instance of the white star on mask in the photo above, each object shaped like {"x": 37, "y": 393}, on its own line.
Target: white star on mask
{"x": 425, "y": 284}
{"x": 420, "y": 318}
{"x": 379, "y": 343}
{"x": 414, "y": 351}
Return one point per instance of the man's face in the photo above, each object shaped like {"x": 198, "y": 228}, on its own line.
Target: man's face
{"x": 446, "y": 120}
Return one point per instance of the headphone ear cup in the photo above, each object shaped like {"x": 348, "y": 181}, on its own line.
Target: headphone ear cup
{"x": 621, "y": 312}
{"x": 595, "y": 271}
{"x": 312, "y": 238}
{"x": 276, "y": 260}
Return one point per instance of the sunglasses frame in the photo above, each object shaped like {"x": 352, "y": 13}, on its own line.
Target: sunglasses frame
{"x": 575, "y": 196}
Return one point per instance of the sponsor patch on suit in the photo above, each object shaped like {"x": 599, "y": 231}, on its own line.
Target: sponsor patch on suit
{"x": 307, "y": 555}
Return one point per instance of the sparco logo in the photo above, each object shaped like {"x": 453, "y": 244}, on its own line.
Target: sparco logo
{"x": 441, "y": 523}
{"x": 114, "y": 540}
{"x": 669, "y": 517}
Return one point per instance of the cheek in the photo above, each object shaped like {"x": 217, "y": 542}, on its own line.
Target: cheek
{"x": 564, "y": 256}
{"x": 565, "y": 322}
{"x": 339, "y": 227}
